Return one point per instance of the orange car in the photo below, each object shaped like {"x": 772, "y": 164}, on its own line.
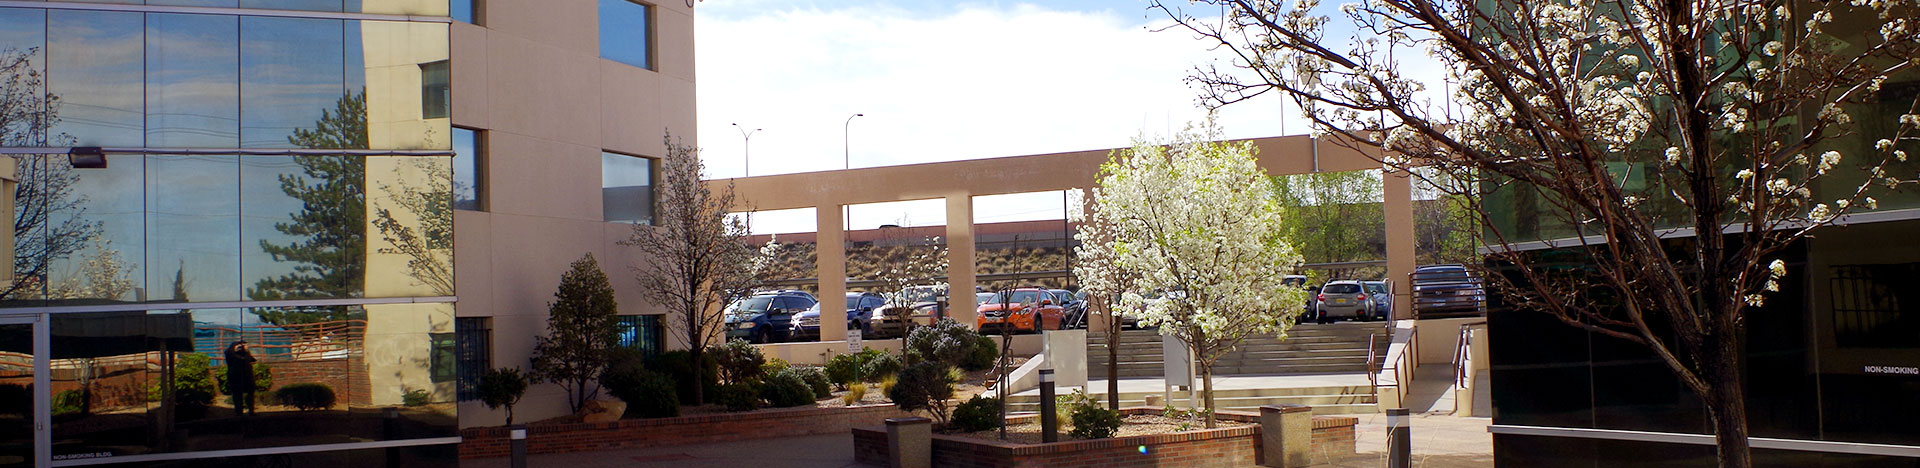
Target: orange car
{"x": 1032, "y": 309}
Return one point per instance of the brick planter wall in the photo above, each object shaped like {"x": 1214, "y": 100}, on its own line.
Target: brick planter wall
{"x": 1201, "y": 448}
{"x": 483, "y": 442}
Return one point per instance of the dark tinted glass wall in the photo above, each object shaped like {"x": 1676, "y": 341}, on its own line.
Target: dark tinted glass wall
{"x": 392, "y": 7}
{"x": 1826, "y": 359}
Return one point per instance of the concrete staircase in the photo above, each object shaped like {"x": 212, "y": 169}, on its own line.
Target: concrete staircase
{"x": 1309, "y": 349}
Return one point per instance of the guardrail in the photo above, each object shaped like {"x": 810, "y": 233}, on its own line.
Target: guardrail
{"x": 1447, "y": 293}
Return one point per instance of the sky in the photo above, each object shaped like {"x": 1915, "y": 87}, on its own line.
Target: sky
{"x": 943, "y": 81}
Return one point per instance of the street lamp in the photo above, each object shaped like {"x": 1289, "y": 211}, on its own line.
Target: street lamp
{"x": 746, "y": 158}
{"x": 846, "y": 214}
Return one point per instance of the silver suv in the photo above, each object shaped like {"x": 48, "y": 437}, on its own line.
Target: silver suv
{"x": 1342, "y": 299}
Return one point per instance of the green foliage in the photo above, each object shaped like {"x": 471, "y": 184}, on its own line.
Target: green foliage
{"x": 815, "y": 377}
{"x": 329, "y": 231}
{"x": 786, "y": 390}
{"x": 262, "y": 378}
{"x": 977, "y": 414}
{"x": 740, "y": 362}
{"x": 583, "y": 326}
{"x": 880, "y": 366}
{"x": 924, "y": 386}
{"x": 648, "y": 394}
{"x": 1094, "y": 421}
{"x": 774, "y": 366}
{"x": 69, "y": 402}
{"x": 306, "y": 396}
{"x": 855, "y": 392}
{"x": 193, "y": 383}
{"x": 502, "y": 387}
{"x": 985, "y": 352}
{"x": 678, "y": 366}
{"x": 737, "y": 396}
{"x": 843, "y": 370}
{"x": 416, "y": 397}
{"x": 946, "y": 342}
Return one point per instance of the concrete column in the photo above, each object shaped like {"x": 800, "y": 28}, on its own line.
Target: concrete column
{"x": 909, "y": 442}
{"x": 960, "y": 259}
{"x": 831, "y": 267}
{"x": 1286, "y": 436}
{"x": 1397, "y": 206}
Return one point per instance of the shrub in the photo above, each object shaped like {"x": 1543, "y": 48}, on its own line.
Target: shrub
{"x": 774, "y": 366}
{"x": 502, "y": 387}
{"x": 1092, "y": 420}
{"x": 977, "y": 414}
{"x": 583, "y": 324}
{"x": 678, "y": 366}
{"x": 946, "y": 342}
{"x": 855, "y": 392}
{"x": 192, "y": 383}
{"x": 886, "y": 387}
{"x": 737, "y": 396}
{"x": 262, "y": 378}
{"x": 416, "y": 397}
{"x": 648, "y": 394}
{"x": 924, "y": 386}
{"x": 306, "y": 396}
{"x": 844, "y": 370}
{"x": 983, "y": 355}
{"x": 786, "y": 390}
{"x": 1063, "y": 405}
{"x": 740, "y": 362}
{"x": 880, "y": 366}
{"x": 69, "y": 402}
{"x": 815, "y": 378}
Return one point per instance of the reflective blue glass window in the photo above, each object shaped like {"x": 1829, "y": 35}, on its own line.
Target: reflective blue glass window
{"x": 193, "y": 81}
{"x": 193, "y": 228}
{"x": 23, "y": 45}
{"x": 468, "y": 163}
{"x": 626, "y": 188}
{"x": 463, "y": 10}
{"x": 626, "y": 32}
{"x": 94, "y": 60}
{"x": 293, "y": 88}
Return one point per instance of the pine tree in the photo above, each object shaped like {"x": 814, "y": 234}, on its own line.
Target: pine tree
{"x": 331, "y": 223}
{"x": 583, "y": 326}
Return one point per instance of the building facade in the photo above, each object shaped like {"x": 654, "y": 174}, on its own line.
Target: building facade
{"x": 271, "y": 190}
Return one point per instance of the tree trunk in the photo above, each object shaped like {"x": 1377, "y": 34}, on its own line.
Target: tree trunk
{"x": 1727, "y": 405}
{"x": 699, "y": 391}
{"x": 1113, "y": 364}
{"x": 1206, "y": 377}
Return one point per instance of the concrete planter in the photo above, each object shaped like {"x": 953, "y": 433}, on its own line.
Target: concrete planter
{"x": 1200, "y": 448}
{"x": 484, "y": 442}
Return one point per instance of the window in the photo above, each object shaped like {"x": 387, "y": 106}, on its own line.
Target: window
{"x": 626, "y": 188}
{"x": 469, "y": 164}
{"x": 473, "y": 350}
{"x": 436, "y": 96}
{"x": 442, "y": 360}
{"x": 626, "y": 32}
{"x": 642, "y": 332}
{"x": 465, "y": 11}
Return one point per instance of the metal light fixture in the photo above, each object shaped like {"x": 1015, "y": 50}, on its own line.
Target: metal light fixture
{"x": 87, "y": 157}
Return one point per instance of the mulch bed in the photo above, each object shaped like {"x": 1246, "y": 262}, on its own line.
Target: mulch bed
{"x": 1134, "y": 425}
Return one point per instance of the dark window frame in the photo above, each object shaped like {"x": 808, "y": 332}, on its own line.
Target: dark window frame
{"x": 473, "y": 353}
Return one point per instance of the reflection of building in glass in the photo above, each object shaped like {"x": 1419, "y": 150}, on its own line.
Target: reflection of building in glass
{"x": 280, "y": 179}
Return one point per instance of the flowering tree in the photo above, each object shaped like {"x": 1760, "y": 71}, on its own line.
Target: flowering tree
{"x": 1197, "y": 222}
{"x": 1103, "y": 279}
{"x": 1749, "y": 122}
{"x": 697, "y": 255}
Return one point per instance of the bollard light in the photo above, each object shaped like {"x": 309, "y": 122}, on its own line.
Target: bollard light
{"x": 1049, "y": 420}
{"x": 1399, "y": 439}
{"x": 518, "y": 435}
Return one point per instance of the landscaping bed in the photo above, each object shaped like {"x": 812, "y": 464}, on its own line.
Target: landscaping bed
{"x": 1026, "y": 430}
{"x": 1196, "y": 448}
{"x": 559, "y": 437}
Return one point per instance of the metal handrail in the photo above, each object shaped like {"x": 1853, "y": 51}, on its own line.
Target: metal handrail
{"x": 1462, "y": 346}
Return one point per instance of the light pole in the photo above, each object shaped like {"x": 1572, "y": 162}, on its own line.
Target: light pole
{"x": 746, "y": 157}
{"x": 846, "y": 145}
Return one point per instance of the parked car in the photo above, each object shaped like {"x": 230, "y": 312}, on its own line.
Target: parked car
{"x": 1446, "y": 290}
{"x": 767, "y": 317}
{"x": 1379, "y": 299}
{"x": 1342, "y": 299}
{"x": 1022, "y": 309}
{"x": 860, "y": 310}
{"x": 1073, "y": 310}
{"x": 1313, "y": 303}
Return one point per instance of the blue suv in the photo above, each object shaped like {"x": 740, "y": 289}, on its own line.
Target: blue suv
{"x": 860, "y": 308}
{"x": 767, "y": 317}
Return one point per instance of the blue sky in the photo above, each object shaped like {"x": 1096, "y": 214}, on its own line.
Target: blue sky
{"x": 943, "y": 81}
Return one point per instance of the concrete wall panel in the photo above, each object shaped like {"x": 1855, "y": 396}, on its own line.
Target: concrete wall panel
{"x": 630, "y": 113}
{"x": 473, "y": 265}
{"x": 571, "y": 25}
{"x": 469, "y": 62}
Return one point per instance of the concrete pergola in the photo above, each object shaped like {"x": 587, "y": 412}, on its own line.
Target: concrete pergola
{"x": 958, "y": 182}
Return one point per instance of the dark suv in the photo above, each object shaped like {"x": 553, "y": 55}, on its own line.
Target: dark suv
{"x": 767, "y": 317}
{"x": 860, "y": 309}
{"x": 1447, "y": 290}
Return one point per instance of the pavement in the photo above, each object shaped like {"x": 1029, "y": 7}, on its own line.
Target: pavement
{"x": 820, "y": 451}
{"x": 1224, "y": 382}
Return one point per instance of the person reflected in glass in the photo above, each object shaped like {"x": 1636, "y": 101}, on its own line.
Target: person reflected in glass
{"x": 240, "y": 377}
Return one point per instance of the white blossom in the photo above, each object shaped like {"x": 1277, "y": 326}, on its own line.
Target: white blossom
{"x": 1778, "y": 268}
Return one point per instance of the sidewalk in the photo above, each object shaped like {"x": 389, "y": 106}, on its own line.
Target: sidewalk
{"x": 820, "y": 451}
{"x": 1439, "y": 441}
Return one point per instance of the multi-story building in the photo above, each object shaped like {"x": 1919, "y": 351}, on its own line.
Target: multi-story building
{"x": 188, "y": 175}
